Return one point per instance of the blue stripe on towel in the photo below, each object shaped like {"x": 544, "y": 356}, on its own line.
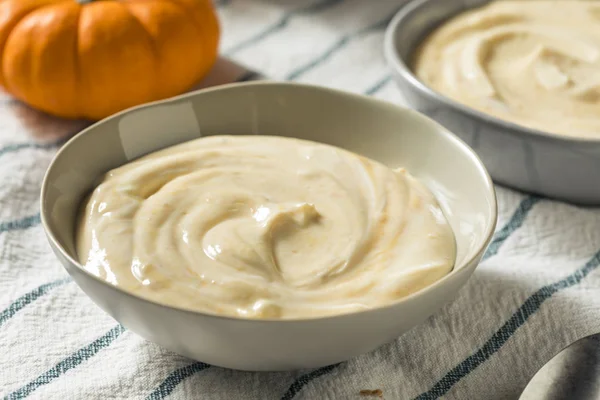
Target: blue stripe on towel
{"x": 20, "y": 224}
{"x": 305, "y": 379}
{"x": 502, "y": 335}
{"x": 377, "y": 86}
{"x": 338, "y": 45}
{"x": 280, "y": 24}
{"x": 174, "y": 379}
{"x": 513, "y": 224}
{"x": 68, "y": 363}
{"x": 28, "y": 298}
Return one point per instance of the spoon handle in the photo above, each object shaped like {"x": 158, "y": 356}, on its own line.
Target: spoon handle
{"x": 574, "y": 373}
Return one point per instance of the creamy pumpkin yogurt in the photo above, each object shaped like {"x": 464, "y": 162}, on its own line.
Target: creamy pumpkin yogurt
{"x": 535, "y": 63}
{"x": 264, "y": 227}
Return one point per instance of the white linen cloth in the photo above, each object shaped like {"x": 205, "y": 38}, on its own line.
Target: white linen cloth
{"x": 536, "y": 291}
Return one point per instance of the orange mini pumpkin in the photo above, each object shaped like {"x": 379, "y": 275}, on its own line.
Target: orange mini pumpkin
{"x": 90, "y": 59}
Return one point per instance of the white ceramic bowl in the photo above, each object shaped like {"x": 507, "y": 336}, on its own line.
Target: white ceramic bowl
{"x": 382, "y": 131}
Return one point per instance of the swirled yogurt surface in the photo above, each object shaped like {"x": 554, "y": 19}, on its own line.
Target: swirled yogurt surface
{"x": 535, "y": 63}
{"x": 264, "y": 227}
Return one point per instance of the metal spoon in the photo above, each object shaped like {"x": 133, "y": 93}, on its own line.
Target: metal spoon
{"x": 574, "y": 373}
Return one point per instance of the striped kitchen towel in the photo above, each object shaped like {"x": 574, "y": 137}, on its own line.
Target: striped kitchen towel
{"x": 535, "y": 292}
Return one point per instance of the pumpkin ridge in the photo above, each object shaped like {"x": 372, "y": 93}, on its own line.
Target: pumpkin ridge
{"x": 185, "y": 8}
{"x": 204, "y": 31}
{"x": 10, "y": 29}
{"x": 155, "y": 55}
{"x": 76, "y": 66}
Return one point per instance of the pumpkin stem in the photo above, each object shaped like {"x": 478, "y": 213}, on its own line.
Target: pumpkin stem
{"x": 82, "y": 2}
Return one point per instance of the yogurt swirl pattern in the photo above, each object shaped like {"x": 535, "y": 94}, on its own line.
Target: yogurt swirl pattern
{"x": 264, "y": 227}
{"x": 535, "y": 63}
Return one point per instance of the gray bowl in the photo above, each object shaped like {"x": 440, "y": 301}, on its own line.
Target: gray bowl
{"x": 543, "y": 163}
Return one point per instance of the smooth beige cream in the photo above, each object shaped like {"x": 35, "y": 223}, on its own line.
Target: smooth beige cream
{"x": 264, "y": 227}
{"x": 535, "y": 63}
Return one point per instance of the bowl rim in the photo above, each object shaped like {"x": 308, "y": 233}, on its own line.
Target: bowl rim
{"x": 478, "y": 253}
{"x": 400, "y": 66}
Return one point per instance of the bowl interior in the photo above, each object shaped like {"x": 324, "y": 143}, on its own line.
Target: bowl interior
{"x": 387, "y": 133}
{"x": 416, "y": 20}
